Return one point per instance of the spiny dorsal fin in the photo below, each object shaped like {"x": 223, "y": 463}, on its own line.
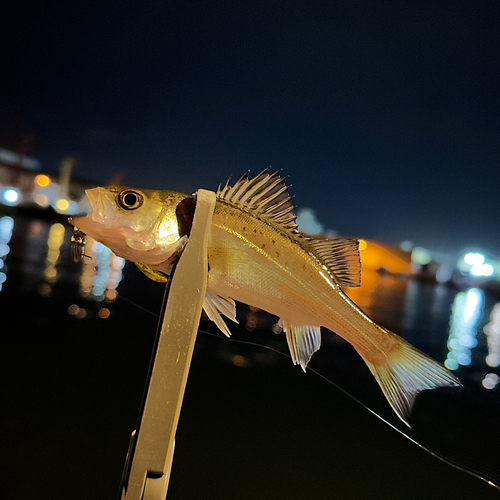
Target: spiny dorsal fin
{"x": 266, "y": 194}
{"x": 341, "y": 257}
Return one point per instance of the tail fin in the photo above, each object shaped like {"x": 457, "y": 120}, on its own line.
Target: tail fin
{"x": 406, "y": 373}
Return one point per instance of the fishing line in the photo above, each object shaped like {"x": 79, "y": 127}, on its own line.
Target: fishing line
{"x": 448, "y": 461}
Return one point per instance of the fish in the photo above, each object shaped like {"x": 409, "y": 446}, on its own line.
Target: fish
{"x": 258, "y": 256}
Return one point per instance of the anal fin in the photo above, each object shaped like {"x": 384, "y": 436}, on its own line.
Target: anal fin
{"x": 215, "y": 305}
{"x": 303, "y": 341}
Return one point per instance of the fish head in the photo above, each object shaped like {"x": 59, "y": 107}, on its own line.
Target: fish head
{"x": 137, "y": 224}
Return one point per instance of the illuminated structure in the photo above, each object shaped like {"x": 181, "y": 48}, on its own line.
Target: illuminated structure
{"x": 23, "y": 184}
{"x": 377, "y": 256}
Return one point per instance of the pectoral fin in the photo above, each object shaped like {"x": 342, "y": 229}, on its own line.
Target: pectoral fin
{"x": 215, "y": 305}
{"x": 303, "y": 341}
{"x": 151, "y": 273}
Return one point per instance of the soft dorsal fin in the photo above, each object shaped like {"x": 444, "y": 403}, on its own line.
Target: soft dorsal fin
{"x": 266, "y": 194}
{"x": 341, "y": 257}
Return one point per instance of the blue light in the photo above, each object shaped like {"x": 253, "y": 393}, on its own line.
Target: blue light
{"x": 11, "y": 197}
{"x": 4, "y": 249}
{"x": 6, "y": 226}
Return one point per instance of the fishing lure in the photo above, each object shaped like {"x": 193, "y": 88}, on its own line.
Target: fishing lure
{"x": 78, "y": 242}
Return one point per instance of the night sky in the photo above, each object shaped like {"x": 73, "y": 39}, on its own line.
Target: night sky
{"x": 385, "y": 114}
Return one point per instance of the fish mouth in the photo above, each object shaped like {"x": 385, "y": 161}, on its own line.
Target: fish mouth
{"x": 103, "y": 211}
{"x": 102, "y": 214}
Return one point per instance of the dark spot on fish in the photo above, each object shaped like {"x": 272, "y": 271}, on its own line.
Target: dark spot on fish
{"x": 273, "y": 242}
{"x": 263, "y": 246}
{"x": 303, "y": 267}
{"x": 244, "y": 229}
{"x": 278, "y": 253}
{"x": 255, "y": 230}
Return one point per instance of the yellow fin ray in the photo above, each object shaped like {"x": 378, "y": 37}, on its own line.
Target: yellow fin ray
{"x": 214, "y": 305}
{"x": 341, "y": 257}
{"x": 406, "y": 373}
{"x": 152, "y": 274}
{"x": 303, "y": 341}
{"x": 265, "y": 195}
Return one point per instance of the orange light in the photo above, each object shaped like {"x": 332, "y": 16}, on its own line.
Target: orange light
{"x": 362, "y": 245}
{"x": 110, "y": 295}
{"x": 104, "y": 313}
{"x": 239, "y": 361}
{"x": 42, "y": 180}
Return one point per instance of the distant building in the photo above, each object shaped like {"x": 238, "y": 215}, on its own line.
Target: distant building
{"x": 24, "y": 184}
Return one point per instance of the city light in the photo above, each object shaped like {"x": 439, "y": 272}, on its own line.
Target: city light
{"x": 11, "y": 196}
{"x": 42, "y": 200}
{"x": 475, "y": 264}
{"x": 406, "y": 246}
{"x": 62, "y": 204}
{"x": 42, "y": 180}
{"x": 482, "y": 270}
{"x": 473, "y": 258}
{"x": 421, "y": 256}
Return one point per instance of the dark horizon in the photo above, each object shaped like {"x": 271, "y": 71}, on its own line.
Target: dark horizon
{"x": 385, "y": 116}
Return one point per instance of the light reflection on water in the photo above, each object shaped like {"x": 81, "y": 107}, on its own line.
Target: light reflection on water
{"x": 466, "y": 312}
{"x": 6, "y": 227}
{"x": 42, "y": 251}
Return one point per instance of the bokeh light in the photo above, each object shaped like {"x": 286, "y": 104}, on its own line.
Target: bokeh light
{"x": 11, "y": 196}
{"x": 42, "y": 180}
{"x": 62, "y": 204}
{"x": 466, "y": 312}
{"x": 42, "y": 200}
{"x": 473, "y": 258}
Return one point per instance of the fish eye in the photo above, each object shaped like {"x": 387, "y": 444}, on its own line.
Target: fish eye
{"x": 130, "y": 200}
